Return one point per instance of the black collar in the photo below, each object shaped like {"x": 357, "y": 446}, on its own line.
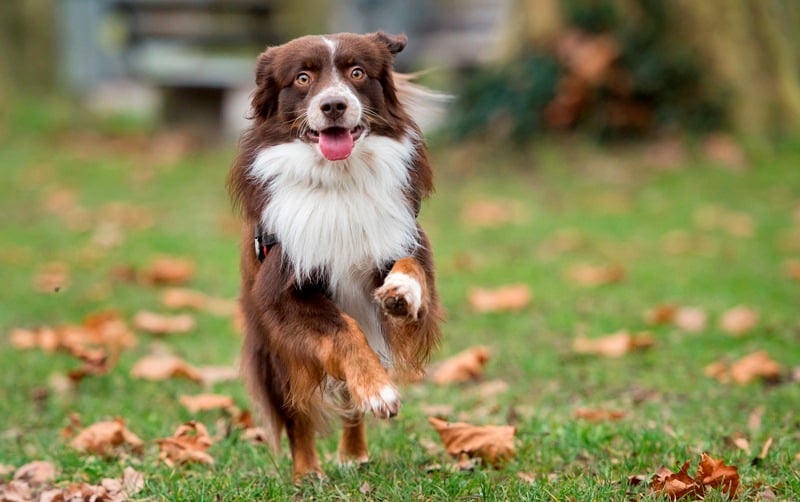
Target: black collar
{"x": 263, "y": 241}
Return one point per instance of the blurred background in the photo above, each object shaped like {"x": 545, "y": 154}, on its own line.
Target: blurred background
{"x": 611, "y": 68}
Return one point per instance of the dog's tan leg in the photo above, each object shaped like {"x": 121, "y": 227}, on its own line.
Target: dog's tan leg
{"x": 347, "y": 356}
{"x": 353, "y": 445}
{"x": 411, "y": 311}
{"x": 304, "y": 452}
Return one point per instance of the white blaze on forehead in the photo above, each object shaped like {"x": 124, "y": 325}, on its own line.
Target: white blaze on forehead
{"x": 336, "y": 88}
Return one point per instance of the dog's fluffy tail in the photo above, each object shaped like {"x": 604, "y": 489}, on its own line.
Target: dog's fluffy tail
{"x": 426, "y": 107}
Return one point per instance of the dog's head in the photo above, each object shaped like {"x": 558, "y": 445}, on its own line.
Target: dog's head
{"x": 330, "y": 90}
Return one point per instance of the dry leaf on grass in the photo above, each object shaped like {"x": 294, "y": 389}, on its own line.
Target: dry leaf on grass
{"x": 758, "y": 365}
{"x": 51, "y": 278}
{"x": 614, "y": 345}
{"x": 505, "y": 298}
{"x": 595, "y": 275}
{"x": 106, "y": 438}
{"x": 178, "y": 298}
{"x": 159, "y": 324}
{"x": 711, "y": 473}
{"x": 598, "y": 415}
{"x": 739, "y": 320}
{"x": 163, "y": 367}
{"x": 464, "y": 366}
{"x": 210, "y": 375}
{"x": 205, "y": 402}
{"x": 492, "y": 443}
{"x": 690, "y": 319}
{"x": 187, "y": 445}
{"x": 491, "y": 213}
{"x": 36, "y": 473}
{"x": 792, "y": 269}
{"x": 166, "y": 270}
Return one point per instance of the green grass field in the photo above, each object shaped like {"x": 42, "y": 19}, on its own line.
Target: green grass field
{"x": 570, "y": 204}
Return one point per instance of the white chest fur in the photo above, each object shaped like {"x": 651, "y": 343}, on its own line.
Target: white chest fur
{"x": 343, "y": 218}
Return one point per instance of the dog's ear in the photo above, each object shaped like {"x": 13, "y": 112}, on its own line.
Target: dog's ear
{"x": 395, "y": 43}
{"x": 264, "y": 102}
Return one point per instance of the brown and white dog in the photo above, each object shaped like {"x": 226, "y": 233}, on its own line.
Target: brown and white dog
{"x": 340, "y": 283}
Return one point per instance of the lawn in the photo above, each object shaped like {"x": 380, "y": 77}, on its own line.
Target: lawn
{"x": 96, "y": 202}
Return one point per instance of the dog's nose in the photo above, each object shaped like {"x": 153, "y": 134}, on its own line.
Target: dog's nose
{"x": 333, "y": 107}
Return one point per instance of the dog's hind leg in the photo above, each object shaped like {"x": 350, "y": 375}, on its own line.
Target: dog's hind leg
{"x": 301, "y": 432}
{"x": 353, "y": 445}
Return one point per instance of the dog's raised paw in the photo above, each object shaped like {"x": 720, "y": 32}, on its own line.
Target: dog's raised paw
{"x": 400, "y": 295}
{"x": 384, "y": 404}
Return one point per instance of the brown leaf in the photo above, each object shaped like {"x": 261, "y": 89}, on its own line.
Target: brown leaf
{"x": 132, "y": 481}
{"x": 163, "y": 367}
{"x": 159, "y": 324}
{"x": 714, "y": 473}
{"x": 492, "y": 443}
{"x": 464, "y": 366}
{"x": 177, "y": 298}
{"x": 755, "y": 365}
{"x": 205, "y": 402}
{"x": 596, "y": 275}
{"x": 505, "y": 298}
{"x": 597, "y": 415}
{"x": 187, "y": 445}
{"x": 36, "y": 473}
{"x": 675, "y": 485}
{"x": 167, "y": 270}
{"x": 210, "y": 375}
{"x": 51, "y": 278}
{"x": 106, "y": 438}
{"x": 739, "y": 320}
{"x": 792, "y": 269}
{"x": 614, "y": 345}
{"x": 661, "y": 314}
{"x": 491, "y": 213}
{"x": 691, "y": 319}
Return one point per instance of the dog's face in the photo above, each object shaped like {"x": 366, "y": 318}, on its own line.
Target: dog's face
{"x": 330, "y": 91}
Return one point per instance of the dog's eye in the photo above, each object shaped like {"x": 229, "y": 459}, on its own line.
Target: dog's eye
{"x": 357, "y": 73}
{"x": 302, "y": 78}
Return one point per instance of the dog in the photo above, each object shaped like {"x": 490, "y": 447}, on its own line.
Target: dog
{"x": 338, "y": 280}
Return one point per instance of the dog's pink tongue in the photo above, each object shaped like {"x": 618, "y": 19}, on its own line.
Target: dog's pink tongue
{"x": 336, "y": 143}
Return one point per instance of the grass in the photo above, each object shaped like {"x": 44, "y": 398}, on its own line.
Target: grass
{"x": 620, "y": 208}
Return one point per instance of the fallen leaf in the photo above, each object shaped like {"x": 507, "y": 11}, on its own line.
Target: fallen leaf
{"x": 661, "y": 314}
{"x": 187, "y": 445}
{"x": 792, "y": 269}
{"x": 614, "y": 345}
{"x": 210, "y": 375}
{"x": 562, "y": 241}
{"x": 757, "y": 365}
{"x": 365, "y": 488}
{"x": 132, "y": 481}
{"x": 739, "y": 224}
{"x": 675, "y": 485}
{"x": 506, "y": 298}
{"x": 691, "y": 319}
{"x": 257, "y": 435}
{"x": 16, "y": 491}
{"x": 6, "y": 469}
{"x": 595, "y": 275}
{"x": 462, "y": 367}
{"x": 177, "y": 298}
{"x": 753, "y": 366}
{"x": 106, "y": 438}
{"x": 714, "y": 473}
{"x": 598, "y": 415}
{"x": 527, "y": 477}
{"x": 163, "y": 367}
{"x": 51, "y": 278}
{"x": 167, "y": 270}
{"x": 159, "y": 324}
{"x": 489, "y": 389}
{"x": 491, "y": 213}
{"x": 36, "y": 473}
{"x": 492, "y": 443}
{"x": 765, "y": 448}
{"x": 738, "y": 320}
{"x": 205, "y": 402}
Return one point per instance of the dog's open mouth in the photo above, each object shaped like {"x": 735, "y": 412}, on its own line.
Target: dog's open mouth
{"x": 336, "y": 143}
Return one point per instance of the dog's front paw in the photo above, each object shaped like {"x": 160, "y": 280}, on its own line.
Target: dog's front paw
{"x": 382, "y": 400}
{"x": 400, "y": 295}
